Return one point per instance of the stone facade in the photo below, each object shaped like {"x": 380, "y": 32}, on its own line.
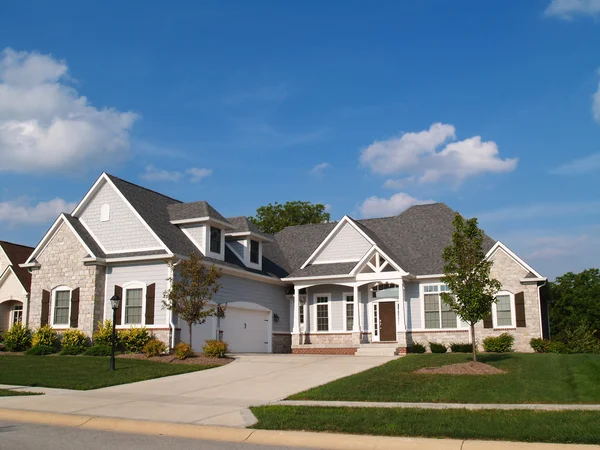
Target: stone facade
{"x": 328, "y": 339}
{"x": 308, "y": 350}
{"x": 163, "y": 335}
{"x": 61, "y": 265}
{"x": 281, "y": 343}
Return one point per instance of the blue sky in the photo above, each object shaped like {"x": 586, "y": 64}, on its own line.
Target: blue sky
{"x": 490, "y": 107}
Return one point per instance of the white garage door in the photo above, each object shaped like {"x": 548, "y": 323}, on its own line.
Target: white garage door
{"x": 246, "y": 330}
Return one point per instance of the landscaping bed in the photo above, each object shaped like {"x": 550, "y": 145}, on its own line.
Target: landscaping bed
{"x": 198, "y": 359}
{"x": 84, "y": 372}
{"x": 529, "y": 378}
{"x": 468, "y": 368}
{"x": 513, "y": 425}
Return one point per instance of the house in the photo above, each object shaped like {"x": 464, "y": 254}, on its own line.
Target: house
{"x": 355, "y": 286}
{"x": 14, "y": 284}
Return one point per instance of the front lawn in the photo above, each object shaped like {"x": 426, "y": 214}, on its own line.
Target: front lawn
{"x": 8, "y": 393}
{"x": 83, "y": 372}
{"x": 513, "y": 425}
{"x": 531, "y": 378}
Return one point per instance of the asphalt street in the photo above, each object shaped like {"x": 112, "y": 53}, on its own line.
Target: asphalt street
{"x": 28, "y": 436}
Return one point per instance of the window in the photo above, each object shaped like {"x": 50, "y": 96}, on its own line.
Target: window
{"x": 62, "y": 303}
{"x": 349, "y": 312}
{"x": 504, "y": 310}
{"x": 215, "y": 240}
{"x": 302, "y": 306}
{"x": 375, "y": 321}
{"x": 437, "y": 313}
{"x": 133, "y": 305}
{"x": 254, "y": 251}
{"x": 105, "y": 213}
{"x": 322, "y": 313}
{"x": 16, "y": 315}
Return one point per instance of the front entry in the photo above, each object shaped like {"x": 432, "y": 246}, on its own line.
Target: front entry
{"x": 387, "y": 321}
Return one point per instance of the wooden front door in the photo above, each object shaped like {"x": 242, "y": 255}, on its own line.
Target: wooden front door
{"x": 387, "y": 321}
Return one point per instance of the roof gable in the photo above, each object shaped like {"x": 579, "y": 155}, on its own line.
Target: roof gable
{"x": 18, "y": 254}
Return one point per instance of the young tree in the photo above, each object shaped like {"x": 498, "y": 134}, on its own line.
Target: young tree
{"x": 273, "y": 218}
{"x": 467, "y": 274}
{"x": 193, "y": 285}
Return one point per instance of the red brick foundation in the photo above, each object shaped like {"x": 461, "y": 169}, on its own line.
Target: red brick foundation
{"x": 402, "y": 350}
{"x": 323, "y": 351}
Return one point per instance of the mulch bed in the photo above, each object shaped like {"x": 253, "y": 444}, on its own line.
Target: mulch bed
{"x": 469, "y": 368}
{"x": 198, "y": 359}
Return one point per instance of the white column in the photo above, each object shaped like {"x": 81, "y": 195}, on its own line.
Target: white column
{"x": 296, "y": 321}
{"x": 401, "y": 307}
{"x": 356, "y": 322}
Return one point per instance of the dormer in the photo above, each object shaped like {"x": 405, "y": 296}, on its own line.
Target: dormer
{"x": 203, "y": 225}
{"x": 246, "y": 241}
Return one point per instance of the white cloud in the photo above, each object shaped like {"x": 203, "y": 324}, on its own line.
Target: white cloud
{"x": 46, "y": 126}
{"x": 18, "y": 212}
{"x": 416, "y": 155}
{"x": 541, "y": 210}
{"x": 567, "y": 9}
{"x": 579, "y": 166}
{"x": 197, "y": 174}
{"x": 399, "y": 183}
{"x": 382, "y": 207}
{"x": 319, "y": 168}
{"x": 154, "y": 174}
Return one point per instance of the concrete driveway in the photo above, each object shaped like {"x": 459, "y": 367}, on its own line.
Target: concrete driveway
{"x": 218, "y": 396}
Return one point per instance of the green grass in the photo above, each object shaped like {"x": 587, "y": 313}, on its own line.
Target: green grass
{"x": 514, "y": 425}
{"x": 7, "y": 393}
{"x": 531, "y": 378}
{"x": 83, "y": 372}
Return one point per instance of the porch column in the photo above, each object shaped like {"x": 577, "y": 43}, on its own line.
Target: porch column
{"x": 296, "y": 319}
{"x": 356, "y": 322}
{"x": 401, "y": 308}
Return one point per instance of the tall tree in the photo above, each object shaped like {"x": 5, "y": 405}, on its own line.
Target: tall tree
{"x": 575, "y": 302}
{"x": 467, "y": 274}
{"x": 193, "y": 285}
{"x": 273, "y": 218}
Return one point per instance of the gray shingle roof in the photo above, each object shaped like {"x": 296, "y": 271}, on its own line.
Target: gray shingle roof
{"x": 242, "y": 224}
{"x": 85, "y": 236}
{"x": 315, "y": 270}
{"x": 194, "y": 210}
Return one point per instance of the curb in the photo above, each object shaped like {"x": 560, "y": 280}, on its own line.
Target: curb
{"x": 269, "y": 437}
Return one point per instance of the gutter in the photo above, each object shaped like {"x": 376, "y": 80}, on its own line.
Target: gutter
{"x": 171, "y": 323}
{"x": 540, "y": 286}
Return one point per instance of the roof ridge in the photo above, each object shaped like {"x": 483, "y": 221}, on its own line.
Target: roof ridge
{"x": 145, "y": 188}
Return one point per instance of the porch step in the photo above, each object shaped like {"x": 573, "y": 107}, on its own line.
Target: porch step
{"x": 376, "y": 350}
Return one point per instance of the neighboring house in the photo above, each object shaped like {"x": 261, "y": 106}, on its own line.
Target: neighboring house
{"x": 14, "y": 284}
{"x": 367, "y": 285}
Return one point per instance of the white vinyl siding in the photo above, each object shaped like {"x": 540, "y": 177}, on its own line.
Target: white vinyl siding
{"x": 124, "y": 231}
{"x": 197, "y": 233}
{"x": 413, "y": 304}
{"x": 347, "y": 245}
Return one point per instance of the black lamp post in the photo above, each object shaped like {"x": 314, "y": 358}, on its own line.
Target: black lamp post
{"x": 114, "y": 303}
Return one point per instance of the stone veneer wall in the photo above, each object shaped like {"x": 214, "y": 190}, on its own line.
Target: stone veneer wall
{"x": 61, "y": 265}
{"x": 162, "y": 334}
{"x": 323, "y": 351}
{"x": 328, "y": 338}
{"x": 281, "y": 343}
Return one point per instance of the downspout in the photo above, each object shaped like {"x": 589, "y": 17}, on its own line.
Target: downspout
{"x": 171, "y": 323}
{"x": 540, "y": 286}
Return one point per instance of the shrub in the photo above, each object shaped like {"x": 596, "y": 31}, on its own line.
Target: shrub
{"x": 461, "y": 348}
{"x": 46, "y": 336}
{"x": 71, "y": 351}
{"x": 40, "y": 350}
{"x": 416, "y": 348}
{"x": 98, "y": 350}
{"x": 183, "y": 350}
{"x": 215, "y": 348}
{"x": 499, "y": 344}
{"x": 103, "y": 335}
{"x": 540, "y": 345}
{"x": 17, "y": 338}
{"x": 154, "y": 347}
{"x": 437, "y": 348}
{"x": 74, "y": 340}
{"x": 558, "y": 347}
{"x": 582, "y": 340}
{"x": 134, "y": 339}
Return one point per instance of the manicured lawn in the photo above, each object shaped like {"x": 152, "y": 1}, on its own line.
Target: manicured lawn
{"x": 531, "y": 426}
{"x": 83, "y": 372}
{"x": 531, "y": 378}
{"x": 7, "y": 393}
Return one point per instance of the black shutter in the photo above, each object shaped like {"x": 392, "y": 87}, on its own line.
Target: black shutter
{"x": 74, "y": 323}
{"x": 119, "y": 293}
{"x": 488, "y": 322}
{"x": 44, "y": 319}
{"x": 150, "y": 294}
{"x": 520, "y": 309}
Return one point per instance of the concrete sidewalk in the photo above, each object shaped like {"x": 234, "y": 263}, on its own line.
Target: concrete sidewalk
{"x": 219, "y": 396}
{"x": 265, "y": 437}
{"x": 474, "y": 406}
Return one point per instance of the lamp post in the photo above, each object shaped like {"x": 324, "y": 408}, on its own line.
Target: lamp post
{"x": 114, "y": 303}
